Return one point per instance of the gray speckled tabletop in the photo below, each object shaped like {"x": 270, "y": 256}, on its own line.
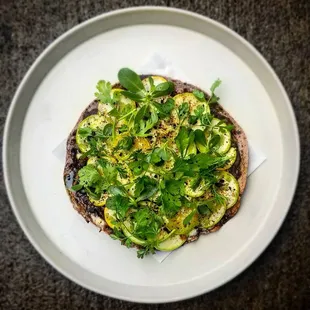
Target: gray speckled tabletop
{"x": 280, "y": 277}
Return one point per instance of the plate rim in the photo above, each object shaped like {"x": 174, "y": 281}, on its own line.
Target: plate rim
{"x": 37, "y": 63}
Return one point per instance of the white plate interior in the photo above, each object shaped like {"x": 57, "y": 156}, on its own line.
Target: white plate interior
{"x": 92, "y": 258}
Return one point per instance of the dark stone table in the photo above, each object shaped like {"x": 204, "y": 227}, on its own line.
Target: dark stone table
{"x": 280, "y": 30}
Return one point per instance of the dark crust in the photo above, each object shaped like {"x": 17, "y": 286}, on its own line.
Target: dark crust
{"x": 95, "y": 214}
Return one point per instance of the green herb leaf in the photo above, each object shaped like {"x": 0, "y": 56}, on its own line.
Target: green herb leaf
{"x": 125, "y": 144}
{"x": 199, "y": 95}
{"x": 145, "y": 188}
{"x": 145, "y": 126}
{"x": 85, "y": 132}
{"x": 163, "y": 89}
{"x": 215, "y": 85}
{"x": 141, "y": 113}
{"x": 164, "y": 108}
{"x": 88, "y": 176}
{"x": 114, "y": 112}
{"x": 200, "y": 140}
{"x": 76, "y": 187}
{"x": 204, "y": 209}
{"x": 183, "y": 110}
{"x": 119, "y": 204}
{"x": 214, "y": 141}
{"x": 104, "y": 92}
{"x": 133, "y": 96}
{"x": 187, "y": 220}
{"x": 117, "y": 190}
{"x": 183, "y": 140}
{"x": 147, "y": 224}
{"x": 175, "y": 187}
{"x": 151, "y": 81}
{"x": 130, "y": 80}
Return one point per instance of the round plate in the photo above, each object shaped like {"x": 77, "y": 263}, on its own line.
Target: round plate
{"x": 59, "y": 86}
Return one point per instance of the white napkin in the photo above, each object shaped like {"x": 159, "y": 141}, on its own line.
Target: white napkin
{"x": 157, "y": 64}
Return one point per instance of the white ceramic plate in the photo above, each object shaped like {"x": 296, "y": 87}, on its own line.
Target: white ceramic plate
{"x": 58, "y": 87}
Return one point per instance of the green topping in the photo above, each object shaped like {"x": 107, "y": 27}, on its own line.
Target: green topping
{"x": 153, "y": 161}
{"x": 104, "y": 92}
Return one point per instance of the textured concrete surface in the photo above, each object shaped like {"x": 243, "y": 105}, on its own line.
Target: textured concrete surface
{"x": 280, "y": 30}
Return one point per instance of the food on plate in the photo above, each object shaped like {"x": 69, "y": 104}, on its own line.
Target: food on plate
{"x": 156, "y": 162}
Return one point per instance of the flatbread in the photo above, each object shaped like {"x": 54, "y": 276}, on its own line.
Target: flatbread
{"x": 95, "y": 214}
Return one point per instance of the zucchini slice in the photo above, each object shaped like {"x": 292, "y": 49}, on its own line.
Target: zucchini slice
{"x": 231, "y": 156}
{"x": 127, "y": 229}
{"x": 104, "y": 108}
{"x": 225, "y": 137}
{"x": 121, "y": 99}
{"x": 172, "y": 243}
{"x": 141, "y": 143}
{"x": 213, "y": 217}
{"x": 109, "y": 216}
{"x": 193, "y": 102}
{"x": 227, "y": 186}
{"x": 176, "y": 223}
{"x": 157, "y": 80}
{"x": 94, "y": 122}
{"x": 195, "y": 187}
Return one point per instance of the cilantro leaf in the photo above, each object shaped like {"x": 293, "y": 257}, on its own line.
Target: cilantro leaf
{"x": 183, "y": 110}
{"x": 213, "y": 98}
{"x": 159, "y": 154}
{"x": 145, "y": 188}
{"x": 125, "y": 144}
{"x": 110, "y": 173}
{"x": 172, "y": 192}
{"x": 144, "y": 126}
{"x": 85, "y": 132}
{"x": 147, "y": 224}
{"x": 215, "y": 85}
{"x": 199, "y": 95}
{"x": 175, "y": 187}
{"x": 171, "y": 204}
{"x": 88, "y": 176}
{"x": 104, "y": 92}
{"x": 164, "y": 108}
{"x": 119, "y": 204}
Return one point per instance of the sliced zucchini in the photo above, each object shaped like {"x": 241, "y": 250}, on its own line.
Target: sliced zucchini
{"x": 109, "y": 216}
{"x": 231, "y": 156}
{"x": 225, "y": 137}
{"x": 157, "y": 80}
{"x": 104, "y": 108}
{"x": 127, "y": 230}
{"x": 193, "y": 102}
{"x": 176, "y": 223}
{"x": 227, "y": 186}
{"x": 171, "y": 243}
{"x": 142, "y": 144}
{"x": 195, "y": 187}
{"x": 121, "y": 99}
{"x": 99, "y": 202}
{"x": 94, "y": 122}
{"x": 214, "y": 216}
